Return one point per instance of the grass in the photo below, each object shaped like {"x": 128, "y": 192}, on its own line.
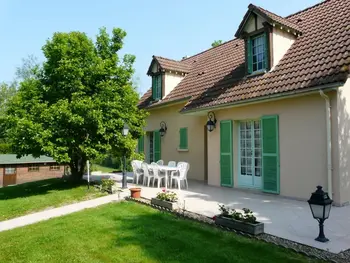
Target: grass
{"x": 104, "y": 169}
{"x": 35, "y": 196}
{"x": 129, "y": 232}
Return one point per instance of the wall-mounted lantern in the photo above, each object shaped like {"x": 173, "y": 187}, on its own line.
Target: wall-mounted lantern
{"x": 211, "y": 123}
{"x": 320, "y": 205}
{"x": 163, "y": 128}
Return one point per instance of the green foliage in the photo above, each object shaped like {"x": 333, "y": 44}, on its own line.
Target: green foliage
{"x": 246, "y": 216}
{"x": 106, "y": 185}
{"x": 167, "y": 196}
{"x": 216, "y": 43}
{"x": 73, "y": 107}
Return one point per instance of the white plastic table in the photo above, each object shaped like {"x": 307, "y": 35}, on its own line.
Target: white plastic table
{"x": 167, "y": 170}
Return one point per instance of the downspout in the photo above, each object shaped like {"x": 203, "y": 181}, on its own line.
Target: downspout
{"x": 329, "y": 142}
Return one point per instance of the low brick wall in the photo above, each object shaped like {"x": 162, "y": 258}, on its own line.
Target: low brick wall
{"x": 24, "y": 176}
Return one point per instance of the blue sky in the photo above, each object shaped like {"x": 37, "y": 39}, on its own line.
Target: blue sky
{"x": 171, "y": 29}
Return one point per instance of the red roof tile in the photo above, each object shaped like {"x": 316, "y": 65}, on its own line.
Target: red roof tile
{"x": 320, "y": 56}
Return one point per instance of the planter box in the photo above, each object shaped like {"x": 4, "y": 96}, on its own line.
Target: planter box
{"x": 166, "y": 204}
{"x": 253, "y": 229}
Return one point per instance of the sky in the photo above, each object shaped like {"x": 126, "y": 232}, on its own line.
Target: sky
{"x": 171, "y": 29}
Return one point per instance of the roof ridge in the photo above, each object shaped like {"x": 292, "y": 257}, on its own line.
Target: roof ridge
{"x": 307, "y": 8}
{"x": 209, "y": 49}
{"x": 166, "y": 58}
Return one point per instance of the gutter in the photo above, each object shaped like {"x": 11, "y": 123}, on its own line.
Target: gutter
{"x": 283, "y": 95}
{"x": 329, "y": 143}
{"x": 165, "y": 104}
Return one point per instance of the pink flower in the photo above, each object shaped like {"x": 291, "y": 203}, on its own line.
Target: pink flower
{"x": 214, "y": 218}
{"x": 163, "y": 190}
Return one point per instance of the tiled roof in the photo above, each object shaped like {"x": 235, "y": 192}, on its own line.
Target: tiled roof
{"x": 320, "y": 56}
{"x": 275, "y": 18}
{"x": 170, "y": 64}
{"x": 12, "y": 159}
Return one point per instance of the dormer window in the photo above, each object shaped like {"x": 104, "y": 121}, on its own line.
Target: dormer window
{"x": 257, "y": 53}
{"x": 157, "y": 87}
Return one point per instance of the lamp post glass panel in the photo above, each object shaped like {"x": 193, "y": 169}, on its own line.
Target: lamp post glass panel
{"x": 125, "y": 133}
{"x": 211, "y": 123}
{"x": 320, "y": 205}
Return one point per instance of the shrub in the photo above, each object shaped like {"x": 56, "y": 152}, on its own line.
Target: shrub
{"x": 167, "y": 196}
{"x": 246, "y": 216}
{"x": 107, "y": 185}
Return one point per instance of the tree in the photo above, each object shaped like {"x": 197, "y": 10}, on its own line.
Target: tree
{"x": 216, "y": 43}
{"x": 7, "y": 91}
{"x": 74, "y": 106}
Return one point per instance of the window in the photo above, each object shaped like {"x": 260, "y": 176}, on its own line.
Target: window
{"x": 55, "y": 167}
{"x": 183, "y": 139}
{"x": 157, "y": 87}
{"x": 250, "y": 153}
{"x": 257, "y": 53}
{"x": 10, "y": 170}
{"x": 33, "y": 168}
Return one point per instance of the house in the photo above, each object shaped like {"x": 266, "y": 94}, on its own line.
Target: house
{"x": 276, "y": 101}
{"x": 27, "y": 169}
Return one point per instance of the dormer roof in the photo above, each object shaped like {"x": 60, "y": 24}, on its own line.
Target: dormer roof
{"x": 271, "y": 18}
{"x": 167, "y": 64}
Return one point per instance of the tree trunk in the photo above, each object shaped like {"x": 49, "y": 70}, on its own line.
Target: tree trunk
{"x": 77, "y": 167}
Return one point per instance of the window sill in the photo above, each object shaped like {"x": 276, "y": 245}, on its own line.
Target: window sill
{"x": 257, "y": 73}
{"x": 182, "y": 150}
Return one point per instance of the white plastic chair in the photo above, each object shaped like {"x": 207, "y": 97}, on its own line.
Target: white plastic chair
{"x": 157, "y": 175}
{"x": 180, "y": 174}
{"x": 136, "y": 167}
{"x": 172, "y": 164}
{"x": 146, "y": 175}
{"x": 160, "y": 162}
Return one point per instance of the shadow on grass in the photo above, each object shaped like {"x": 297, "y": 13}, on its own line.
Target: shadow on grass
{"x": 36, "y": 188}
{"x": 166, "y": 238}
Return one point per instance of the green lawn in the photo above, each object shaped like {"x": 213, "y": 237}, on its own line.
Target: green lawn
{"x": 129, "y": 232}
{"x": 104, "y": 169}
{"x": 31, "y": 197}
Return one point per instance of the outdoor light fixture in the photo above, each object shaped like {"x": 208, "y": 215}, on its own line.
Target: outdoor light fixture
{"x": 125, "y": 129}
{"x": 211, "y": 123}
{"x": 163, "y": 128}
{"x": 320, "y": 205}
{"x": 125, "y": 132}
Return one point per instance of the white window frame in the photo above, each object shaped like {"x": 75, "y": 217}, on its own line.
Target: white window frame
{"x": 261, "y": 51}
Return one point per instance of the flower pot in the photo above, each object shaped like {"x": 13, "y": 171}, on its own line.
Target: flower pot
{"x": 165, "y": 204}
{"x": 253, "y": 229}
{"x": 135, "y": 192}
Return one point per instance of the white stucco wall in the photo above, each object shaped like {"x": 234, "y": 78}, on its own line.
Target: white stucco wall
{"x": 342, "y": 144}
{"x": 170, "y": 82}
{"x": 171, "y": 140}
{"x": 250, "y": 25}
{"x": 302, "y": 139}
{"x": 282, "y": 41}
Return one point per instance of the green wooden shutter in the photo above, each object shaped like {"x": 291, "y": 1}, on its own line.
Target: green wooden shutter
{"x": 183, "y": 139}
{"x": 226, "y": 158}
{"x": 159, "y": 96}
{"x": 266, "y": 53}
{"x": 157, "y": 148}
{"x": 141, "y": 144}
{"x": 249, "y": 56}
{"x": 270, "y": 154}
{"x": 154, "y": 89}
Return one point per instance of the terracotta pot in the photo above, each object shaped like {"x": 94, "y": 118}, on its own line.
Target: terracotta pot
{"x": 135, "y": 192}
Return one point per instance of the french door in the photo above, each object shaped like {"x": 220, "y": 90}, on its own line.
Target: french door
{"x": 250, "y": 163}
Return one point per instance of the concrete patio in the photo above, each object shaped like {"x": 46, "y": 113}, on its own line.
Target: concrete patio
{"x": 289, "y": 219}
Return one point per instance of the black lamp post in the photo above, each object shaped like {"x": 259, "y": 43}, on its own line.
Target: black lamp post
{"x": 125, "y": 182}
{"x": 320, "y": 205}
{"x": 163, "y": 129}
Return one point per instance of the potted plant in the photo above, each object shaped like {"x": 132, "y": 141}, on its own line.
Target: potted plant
{"x": 135, "y": 192}
{"x": 108, "y": 185}
{"x": 166, "y": 199}
{"x": 245, "y": 222}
